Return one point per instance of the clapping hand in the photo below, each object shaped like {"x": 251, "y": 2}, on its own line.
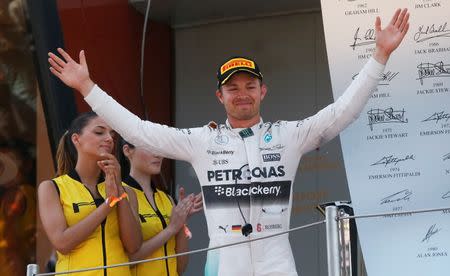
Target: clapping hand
{"x": 181, "y": 211}
{"x": 197, "y": 202}
{"x": 111, "y": 167}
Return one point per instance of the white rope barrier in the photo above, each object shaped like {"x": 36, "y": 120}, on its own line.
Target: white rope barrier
{"x": 184, "y": 253}
{"x": 393, "y": 213}
{"x": 337, "y": 218}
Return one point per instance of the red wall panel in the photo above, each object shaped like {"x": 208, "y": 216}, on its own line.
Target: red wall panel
{"x": 110, "y": 32}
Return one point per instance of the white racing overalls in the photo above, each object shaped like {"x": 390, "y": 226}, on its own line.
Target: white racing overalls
{"x": 245, "y": 170}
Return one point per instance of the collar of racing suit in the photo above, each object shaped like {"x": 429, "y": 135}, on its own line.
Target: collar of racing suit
{"x": 237, "y": 130}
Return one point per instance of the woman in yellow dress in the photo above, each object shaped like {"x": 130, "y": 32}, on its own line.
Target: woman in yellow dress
{"x": 162, "y": 221}
{"x": 89, "y": 217}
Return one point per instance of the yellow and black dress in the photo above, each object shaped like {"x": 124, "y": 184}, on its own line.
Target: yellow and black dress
{"x": 103, "y": 246}
{"x": 153, "y": 221}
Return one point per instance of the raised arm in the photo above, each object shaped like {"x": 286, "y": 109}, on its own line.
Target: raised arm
{"x": 330, "y": 121}
{"x": 163, "y": 140}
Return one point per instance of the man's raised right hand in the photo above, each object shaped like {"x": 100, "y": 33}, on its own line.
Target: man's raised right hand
{"x": 73, "y": 74}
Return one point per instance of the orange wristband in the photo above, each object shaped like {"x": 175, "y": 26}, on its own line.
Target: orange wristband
{"x": 123, "y": 195}
{"x": 112, "y": 200}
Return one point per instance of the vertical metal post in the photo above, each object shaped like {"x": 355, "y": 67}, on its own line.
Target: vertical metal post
{"x": 345, "y": 244}
{"x": 331, "y": 214}
{"x": 32, "y": 269}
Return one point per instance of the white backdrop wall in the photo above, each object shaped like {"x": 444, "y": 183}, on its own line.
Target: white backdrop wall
{"x": 401, "y": 162}
{"x": 290, "y": 51}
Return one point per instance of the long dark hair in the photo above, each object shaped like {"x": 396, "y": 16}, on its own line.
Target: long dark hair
{"x": 157, "y": 180}
{"x": 66, "y": 154}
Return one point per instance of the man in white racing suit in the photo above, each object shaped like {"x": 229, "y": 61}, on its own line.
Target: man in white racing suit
{"x": 245, "y": 167}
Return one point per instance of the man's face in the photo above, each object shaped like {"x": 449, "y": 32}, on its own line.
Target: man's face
{"x": 242, "y": 95}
